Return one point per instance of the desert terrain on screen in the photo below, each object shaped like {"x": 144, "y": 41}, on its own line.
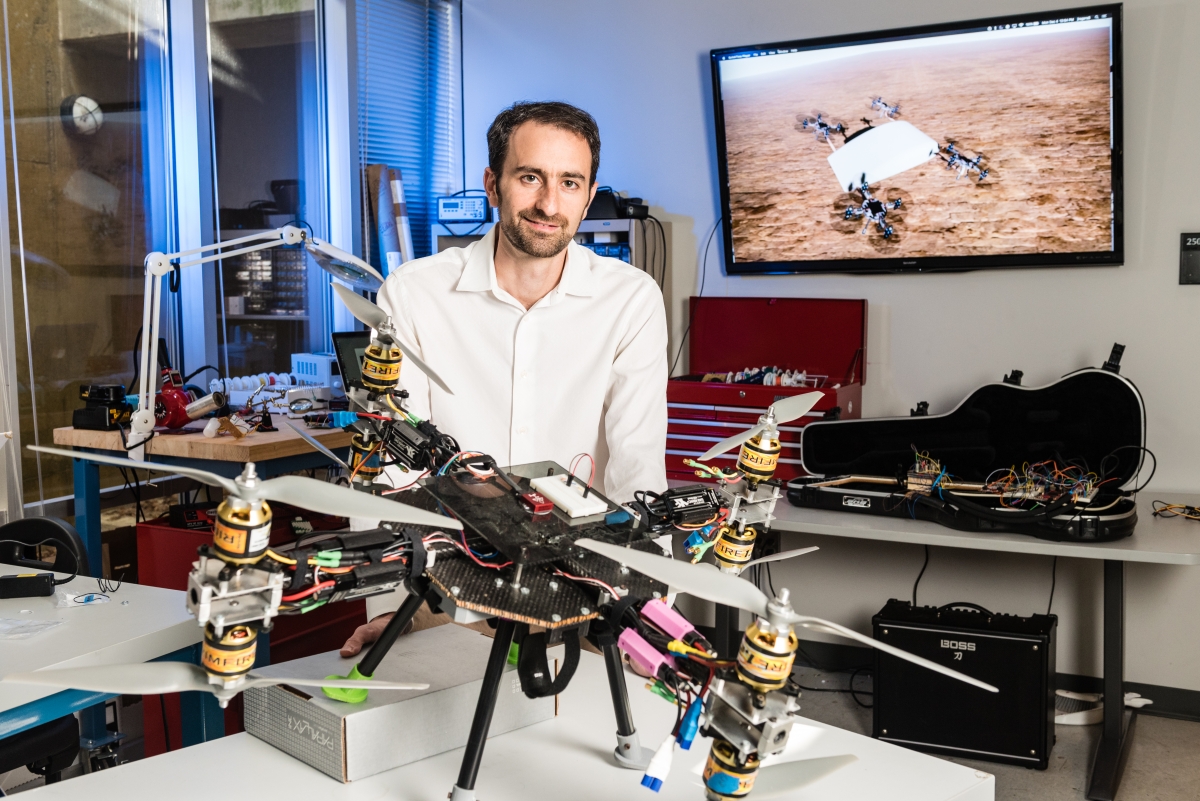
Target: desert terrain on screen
{"x": 1034, "y": 110}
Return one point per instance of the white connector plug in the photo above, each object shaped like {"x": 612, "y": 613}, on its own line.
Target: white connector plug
{"x": 569, "y": 497}
{"x": 660, "y": 765}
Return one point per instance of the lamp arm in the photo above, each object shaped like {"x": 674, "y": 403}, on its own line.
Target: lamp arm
{"x": 159, "y": 264}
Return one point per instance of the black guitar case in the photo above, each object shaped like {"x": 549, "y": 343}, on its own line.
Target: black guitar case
{"x": 1093, "y": 419}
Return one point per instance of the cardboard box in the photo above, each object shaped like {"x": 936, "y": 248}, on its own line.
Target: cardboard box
{"x": 392, "y": 728}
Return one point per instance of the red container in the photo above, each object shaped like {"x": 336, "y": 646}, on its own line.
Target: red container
{"x": 823, "y": 337}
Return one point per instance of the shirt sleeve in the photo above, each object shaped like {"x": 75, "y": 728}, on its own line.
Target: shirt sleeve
{"x": 394, "y": 299}
{"x": 635, "y": 412}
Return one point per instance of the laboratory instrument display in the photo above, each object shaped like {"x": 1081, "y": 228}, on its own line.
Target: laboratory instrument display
{"x": 990, "y": 143}
{"x": 1058, "y": 462}
{"x": 527, "y": 546}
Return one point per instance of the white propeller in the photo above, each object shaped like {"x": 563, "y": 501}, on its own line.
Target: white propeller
{"x": 728, "y": 589}
{"x": 783, "y": 778}
{"x": 307, "y": 493}
{"x": 157, "y": 678}
{"x": 374, "y": 317}
{"x": 775, "y": 557}
{"x": 311, "y": 440}
{"x": 778, "y": 413}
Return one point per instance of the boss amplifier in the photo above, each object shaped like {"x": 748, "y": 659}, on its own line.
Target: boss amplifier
{"x": 927, "y": 711}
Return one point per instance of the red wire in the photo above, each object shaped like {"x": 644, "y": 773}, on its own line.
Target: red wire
{"x": 578, "y": 458}
{"x": 305, "y": 593}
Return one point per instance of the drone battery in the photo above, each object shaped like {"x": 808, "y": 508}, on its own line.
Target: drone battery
{"x": 927, "y": 711}
{"x": 353, "y": 741}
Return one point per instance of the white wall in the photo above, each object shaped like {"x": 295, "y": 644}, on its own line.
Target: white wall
{"x": 642, "y": 69}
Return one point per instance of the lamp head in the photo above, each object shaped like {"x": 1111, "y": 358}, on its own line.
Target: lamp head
{"x": 346, "y": 267}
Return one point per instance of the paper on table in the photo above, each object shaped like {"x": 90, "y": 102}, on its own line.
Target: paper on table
{"x": 11, "y": 629}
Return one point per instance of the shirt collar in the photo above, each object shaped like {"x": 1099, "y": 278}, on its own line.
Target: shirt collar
{"x": 479, "y": 273}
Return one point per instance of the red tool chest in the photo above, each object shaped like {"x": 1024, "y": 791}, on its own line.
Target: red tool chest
{"x": 826, "y": 338}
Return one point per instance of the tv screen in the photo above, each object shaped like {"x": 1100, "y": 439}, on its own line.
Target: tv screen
{"x": 994, "y": 143}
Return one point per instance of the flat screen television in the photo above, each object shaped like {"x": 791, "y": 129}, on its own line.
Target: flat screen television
{"x": 993, "y": 143}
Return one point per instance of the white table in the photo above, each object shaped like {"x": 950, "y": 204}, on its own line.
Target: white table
{"x": 569, "y": 757}
{"x": 138, "y": 624}
{"x": 1168, "y": 541}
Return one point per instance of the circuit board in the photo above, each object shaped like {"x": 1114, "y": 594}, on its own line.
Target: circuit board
{"x": 495, "y": 518}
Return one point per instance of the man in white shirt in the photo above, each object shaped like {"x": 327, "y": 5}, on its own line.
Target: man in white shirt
{"x": 551, "y": 350}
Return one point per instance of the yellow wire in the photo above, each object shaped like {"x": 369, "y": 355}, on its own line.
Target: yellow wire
{"x": 279, "y": 558}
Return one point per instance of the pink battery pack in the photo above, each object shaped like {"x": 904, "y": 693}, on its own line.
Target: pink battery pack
{"x": 671, "y": 622}
{"x": 645, "y": 655}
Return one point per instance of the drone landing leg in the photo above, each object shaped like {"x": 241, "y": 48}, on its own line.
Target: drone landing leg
{"x": 464, "y": 789}
{"x": 397, "y": 624}
{"x": 629, "y": 752}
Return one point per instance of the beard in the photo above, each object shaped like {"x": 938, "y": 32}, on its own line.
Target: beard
{"x": 532, "y": 243}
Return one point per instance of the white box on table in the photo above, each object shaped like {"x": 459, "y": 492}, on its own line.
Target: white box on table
{"x": 391, "y": 728}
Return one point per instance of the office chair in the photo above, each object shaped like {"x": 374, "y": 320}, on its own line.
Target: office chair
{"x": 18, "y": 537}
{"x": 50, "y": 748}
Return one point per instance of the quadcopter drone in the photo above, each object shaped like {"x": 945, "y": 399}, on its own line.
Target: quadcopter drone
{"x": 524, "y": 546}
{"x": 821, "y": 129}
{"x": 956, "y": 160}
{"x": 872, "y": 210}
{"x": 884, "y": 109}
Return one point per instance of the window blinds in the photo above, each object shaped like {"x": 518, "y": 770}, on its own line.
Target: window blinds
{"x": 409, "y": 103}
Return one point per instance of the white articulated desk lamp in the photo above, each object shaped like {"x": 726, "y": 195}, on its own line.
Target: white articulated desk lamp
{"x": 344, "y": 266}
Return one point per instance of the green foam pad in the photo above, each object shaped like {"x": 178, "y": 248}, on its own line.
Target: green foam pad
{"x": 349, "y": 695}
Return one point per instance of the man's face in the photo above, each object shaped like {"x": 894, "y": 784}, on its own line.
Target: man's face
{"x": 543, "y": 191}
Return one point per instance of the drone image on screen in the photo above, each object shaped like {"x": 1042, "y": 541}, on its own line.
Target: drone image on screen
{"x": 820, "y": 127}
{"x": 885, "y": 109}
{"x": 873, "y": 210}
{"x": 956, "y": 160}
{"x": 875, "y": 153}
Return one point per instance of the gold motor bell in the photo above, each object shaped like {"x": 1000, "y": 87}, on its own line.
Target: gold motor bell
{"x": 241, "y": 536}
{"x": 759, "y": 457}
{"x": 765, "y": 659}
{"x": 724, "y": 778}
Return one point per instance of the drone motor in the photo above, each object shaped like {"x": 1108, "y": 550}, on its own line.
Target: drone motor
{"x": 733, "y": 547}
{"x": 724, "y": 777}
{"x": 241, "y": 535}
{"x": 760, "y": 456}
{"x": 765, "y": 658}
{"x": 381, "y": 366}
{"x": 229, "y": 654}
{"x": 364, "y": 457}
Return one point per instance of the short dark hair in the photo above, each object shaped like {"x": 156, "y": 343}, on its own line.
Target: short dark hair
{"x": 560, "y": 115}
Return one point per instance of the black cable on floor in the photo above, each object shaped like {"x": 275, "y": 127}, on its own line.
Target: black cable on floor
{"x": 1053, "y": 581}
{"x": 922, "y": 573}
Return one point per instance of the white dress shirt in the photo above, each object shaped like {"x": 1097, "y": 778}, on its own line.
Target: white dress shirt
{"x": 582, "y": 371}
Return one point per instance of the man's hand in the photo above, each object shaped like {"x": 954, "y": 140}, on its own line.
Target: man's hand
{"x": 366, "y": 634}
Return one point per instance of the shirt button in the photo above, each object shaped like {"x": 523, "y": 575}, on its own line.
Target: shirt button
{"x": 522, "y": 430}
{"x": 524, "y": 374}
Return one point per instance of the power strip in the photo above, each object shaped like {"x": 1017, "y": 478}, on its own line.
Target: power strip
{"x": 569, "y": 497}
